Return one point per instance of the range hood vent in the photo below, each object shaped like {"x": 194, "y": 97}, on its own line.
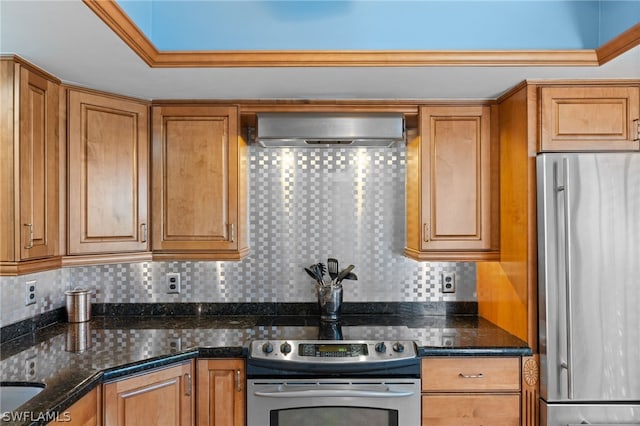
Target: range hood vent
{"x": 329, "y": 129}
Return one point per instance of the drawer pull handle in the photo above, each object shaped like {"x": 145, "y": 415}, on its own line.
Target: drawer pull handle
{"x": 188, "y": 384}
{"x": 471, "y": 376}
{"x": 30, "y": 243}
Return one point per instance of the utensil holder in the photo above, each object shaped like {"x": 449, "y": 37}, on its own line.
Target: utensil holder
{"x": 78, "y": 305}
{"x": 329, "y": 302}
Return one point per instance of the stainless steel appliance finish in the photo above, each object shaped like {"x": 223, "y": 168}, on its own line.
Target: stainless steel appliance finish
{"x": 589, "y": 287}
{"x": 337, "y": 382}
{"x": 317, "y": 129}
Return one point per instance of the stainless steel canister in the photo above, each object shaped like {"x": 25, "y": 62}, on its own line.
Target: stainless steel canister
{"x": 78, "y": 305}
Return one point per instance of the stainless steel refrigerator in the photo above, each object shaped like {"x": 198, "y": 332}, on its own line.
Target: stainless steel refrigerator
{"x": 589, "y": 288}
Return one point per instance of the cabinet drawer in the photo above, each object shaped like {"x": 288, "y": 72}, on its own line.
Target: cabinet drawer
{"x": 471, "y": 410}
{"x": 470, "y": 374}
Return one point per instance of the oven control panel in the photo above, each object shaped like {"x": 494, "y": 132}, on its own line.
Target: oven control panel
{"x": 330, "y": 351}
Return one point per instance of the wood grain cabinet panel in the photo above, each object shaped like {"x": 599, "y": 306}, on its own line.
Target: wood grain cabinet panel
{"x": 85, "y": 412}
{"x": 164, "y": 397}
{"x": 221, "y": 392}
{"x": 589, "y": 118}
{"x": 471, "y": 391}
{"x": 108, "y": 174}
{"x": 470, "y": 374}
{"x": 199, "y": 183}
{"x": 29, "y": 168}
{"x": 449, "y": 185}
{"x": 471, "y": 410}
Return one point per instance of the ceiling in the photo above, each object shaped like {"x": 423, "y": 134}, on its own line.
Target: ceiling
{"x": 68, "y": 40}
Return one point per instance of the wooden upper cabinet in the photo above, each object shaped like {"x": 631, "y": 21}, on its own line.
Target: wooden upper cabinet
{"x": 164, "y": 397}
{"x": 108, "y": 174}
{"x": 199, "y": 183}
{"x": 29, "y": 169}
{"x": 582, "y": 118}
{"x": 449, "y": 184}
{"x": 221, "y": 392}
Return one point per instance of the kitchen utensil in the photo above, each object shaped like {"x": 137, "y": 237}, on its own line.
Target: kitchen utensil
{"x": 319, "y": 270}
{"x": 317, "y": 274}
{"x": 351, "y": 276}
{"x": 332, "y": 266}
{"x": 344, "y": 273}
{"x": 312, "y": 274}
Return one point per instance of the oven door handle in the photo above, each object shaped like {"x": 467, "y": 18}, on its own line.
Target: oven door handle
{"x": 319, "y": 393}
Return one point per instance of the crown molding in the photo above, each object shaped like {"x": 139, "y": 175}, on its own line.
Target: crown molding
{"x": 120, "y": 23}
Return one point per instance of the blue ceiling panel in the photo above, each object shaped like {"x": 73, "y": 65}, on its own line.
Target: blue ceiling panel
{"x": 380, "y": 24}
{"x": 616, "y": 17}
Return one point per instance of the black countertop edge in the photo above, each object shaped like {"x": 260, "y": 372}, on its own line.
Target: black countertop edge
{"x": 148, "y": 364}
{"x": 425, "y": 351}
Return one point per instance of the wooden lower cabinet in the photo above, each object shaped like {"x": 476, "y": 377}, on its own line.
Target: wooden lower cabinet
{"x": 471, "y": 409}
{"x": 221, "y": 392}
{"x": 471, "y": 391}
{"x": 85, "y": 412}
{"x": 163, "y": 397}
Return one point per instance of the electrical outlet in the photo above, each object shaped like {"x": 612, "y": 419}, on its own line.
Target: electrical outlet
{"x": 173, "y": 283}
{"x": 448, "y": 280}
{"x": 448, "y": 340}
{"x": 175, "y": 344}
{"x": 30, "y": 368}
{"x": 30, "y": 293}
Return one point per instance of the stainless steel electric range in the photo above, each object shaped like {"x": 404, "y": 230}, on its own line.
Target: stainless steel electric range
{"x": 333, "y": 382}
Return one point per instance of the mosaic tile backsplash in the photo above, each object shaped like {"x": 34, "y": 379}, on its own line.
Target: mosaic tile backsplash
{"x": 305, "y": 204}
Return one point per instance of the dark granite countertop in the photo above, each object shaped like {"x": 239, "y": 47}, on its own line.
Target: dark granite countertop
{"x": 71, "y": 359}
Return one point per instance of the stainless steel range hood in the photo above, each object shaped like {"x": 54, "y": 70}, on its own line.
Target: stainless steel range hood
{"x": 329, "y": 129}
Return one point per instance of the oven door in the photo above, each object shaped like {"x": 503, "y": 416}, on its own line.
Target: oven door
{"x": 338, "y": 402}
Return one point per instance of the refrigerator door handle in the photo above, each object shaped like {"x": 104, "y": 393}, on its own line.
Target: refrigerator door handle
{"x": 564, "y": 188}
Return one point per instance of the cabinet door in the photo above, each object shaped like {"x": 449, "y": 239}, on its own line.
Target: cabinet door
{"x": 471, "y": 410}
{"x": 455, "y": 172}
{"x": 159, "y": 398}
{"x": 108, "y": 174}
{"x": 589, "y": 118}
{"x": 221, "y": 392}
{"x": 38, "y": 172}
{"x": 195, "y": 179}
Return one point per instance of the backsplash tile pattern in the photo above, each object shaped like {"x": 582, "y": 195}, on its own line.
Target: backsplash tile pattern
{"x": 306, "y": 204}
{"x": 49, "y": 295}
